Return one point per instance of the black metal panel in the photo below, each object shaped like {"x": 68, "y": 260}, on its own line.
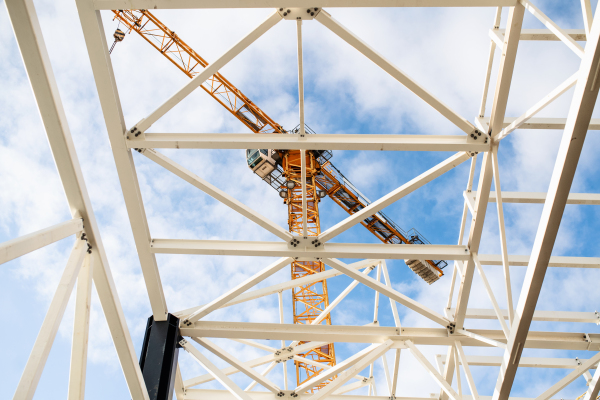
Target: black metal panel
{"x": 158, "y": 360}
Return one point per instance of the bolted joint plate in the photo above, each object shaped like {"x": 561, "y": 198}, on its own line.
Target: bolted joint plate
{"x": 305, "y": 243}
{"x": 478, "y": 136}
{"x": 290, "y": 13}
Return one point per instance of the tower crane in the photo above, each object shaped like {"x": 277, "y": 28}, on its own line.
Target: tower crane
{"x": 281, "y": 169}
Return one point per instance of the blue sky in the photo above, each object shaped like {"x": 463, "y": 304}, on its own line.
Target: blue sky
{"x": 444, "y": 49}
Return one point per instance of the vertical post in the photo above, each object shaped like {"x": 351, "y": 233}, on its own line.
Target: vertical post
{"x": 81, "y": 329}
{"x": 158, "y": 360}
{"x": 300, "y": 78}
{"x": 281, "y": 320}
{"x": 502, "y": 227}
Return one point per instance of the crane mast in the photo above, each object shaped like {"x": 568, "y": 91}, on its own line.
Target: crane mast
{"x": 310, "y": 300}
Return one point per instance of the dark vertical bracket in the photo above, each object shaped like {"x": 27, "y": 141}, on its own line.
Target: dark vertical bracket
{"x": 158, "y": 360}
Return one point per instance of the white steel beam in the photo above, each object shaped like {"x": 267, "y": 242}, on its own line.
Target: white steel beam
{"x": 578, "y": 120}
{"x": 306, "y": 280}
{"x": 353, "y": 386}
{"x": 395, "y": 373}
{"x": 378, "y": 334}
{"x": 555, "y": 261}
{"x": 543, "y": 18}
{"x": 502, "y": 231}
{"x": 555, "y": 316}
{"x": 95, "y": 39}
{"x": 588, "y": 16}
{"x": 263, "y": 374}
{"x": 217, "y": 194}
{"x": 526, "y": 362}
{"x": 337, "y": 369}
{"x": 393, "y": 306}
{"x": 328, "y": 250}
{"x": 505, "y": 74}
{"x": 352, "y": 371}
{"x": 256, "y": 362}
{"x": 43, "y": 343}
{"x": 327, "y": 20}
{"x": 15, "y": 248}
{"x": 539, "y": 106}
{"x": 594, "y": 386}
{"x": 322, "y": 141}
{"x": 236, "y": 291}
{"x": 212, "y": 369}
{"x": 37, "y": 63}
{"x": 579, "y": 35}
{"x": 257, "y": 345}
{"x": 540, "y": 197}
{"x": 323, "y": 366}
{"x": 541, "y": 123}
{"x": 300, "y": 78}
{"x": 233, "y": 361}
{"x": 463, "y": 360}
{"x": 81, "y": 329}
{"x": 169, "y": 4}
{"x": 203, "y": 394}
{"x": 394, "y": 196}
{"x": 481, "y": 338}
{"x": 576, "y": 373}
{"x": 431, "y": 370}
{"x": 388, "y": 291}
{"x": 491, "y": 296}
{"x": 207, "y": 72}
{"x": 339, "y": 298}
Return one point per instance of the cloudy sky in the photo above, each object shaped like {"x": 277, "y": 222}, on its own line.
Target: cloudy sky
{"x": 444, "y": 49}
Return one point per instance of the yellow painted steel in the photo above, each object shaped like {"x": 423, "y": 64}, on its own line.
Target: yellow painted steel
{"x": 308, "y": 300}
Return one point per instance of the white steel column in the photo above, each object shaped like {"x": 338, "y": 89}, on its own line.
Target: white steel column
{"x": 594, "y": 386}
{"x": 300, "y": 79}
{"x": 490, "y": 293}
{"x": 43, "y": 342}
{"x": 95, "y": 39}
{"x": 503, "y": 245}
{"x": 588, "y": 16}
{"x": 580, "y": 113}
{"x": 81, "y": 330}
{"x": 37, "y": 63}
{"x": 505, "y": 72}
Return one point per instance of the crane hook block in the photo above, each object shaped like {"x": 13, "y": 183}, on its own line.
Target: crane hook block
{"x": 119, "y": 35}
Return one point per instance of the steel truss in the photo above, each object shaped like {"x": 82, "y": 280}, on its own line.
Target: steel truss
{"x": 88, "y": 263}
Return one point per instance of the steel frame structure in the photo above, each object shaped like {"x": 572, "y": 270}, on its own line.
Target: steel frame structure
{"x": 88, "y": 262}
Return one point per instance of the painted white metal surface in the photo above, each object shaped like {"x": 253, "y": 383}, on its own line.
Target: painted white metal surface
{"x": 514, "y": 336}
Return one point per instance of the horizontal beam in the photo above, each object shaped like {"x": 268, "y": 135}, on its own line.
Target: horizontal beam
{"x": 20, "y": 246}
{"x": 526, "y": 362}
{"x": 309, "y": 142}
{"x": 541, "y": 123}
{"x": 202, "y": 394}
{"x": 555, "y": 316}
{"x": 555, "y": 261}
{"x": 327, "y": 250}
{"x": 540, "y": 197}
{"x": 545, "y": 34}
{"x": 379, "y": 334}
{"x": 170, "y": 4}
